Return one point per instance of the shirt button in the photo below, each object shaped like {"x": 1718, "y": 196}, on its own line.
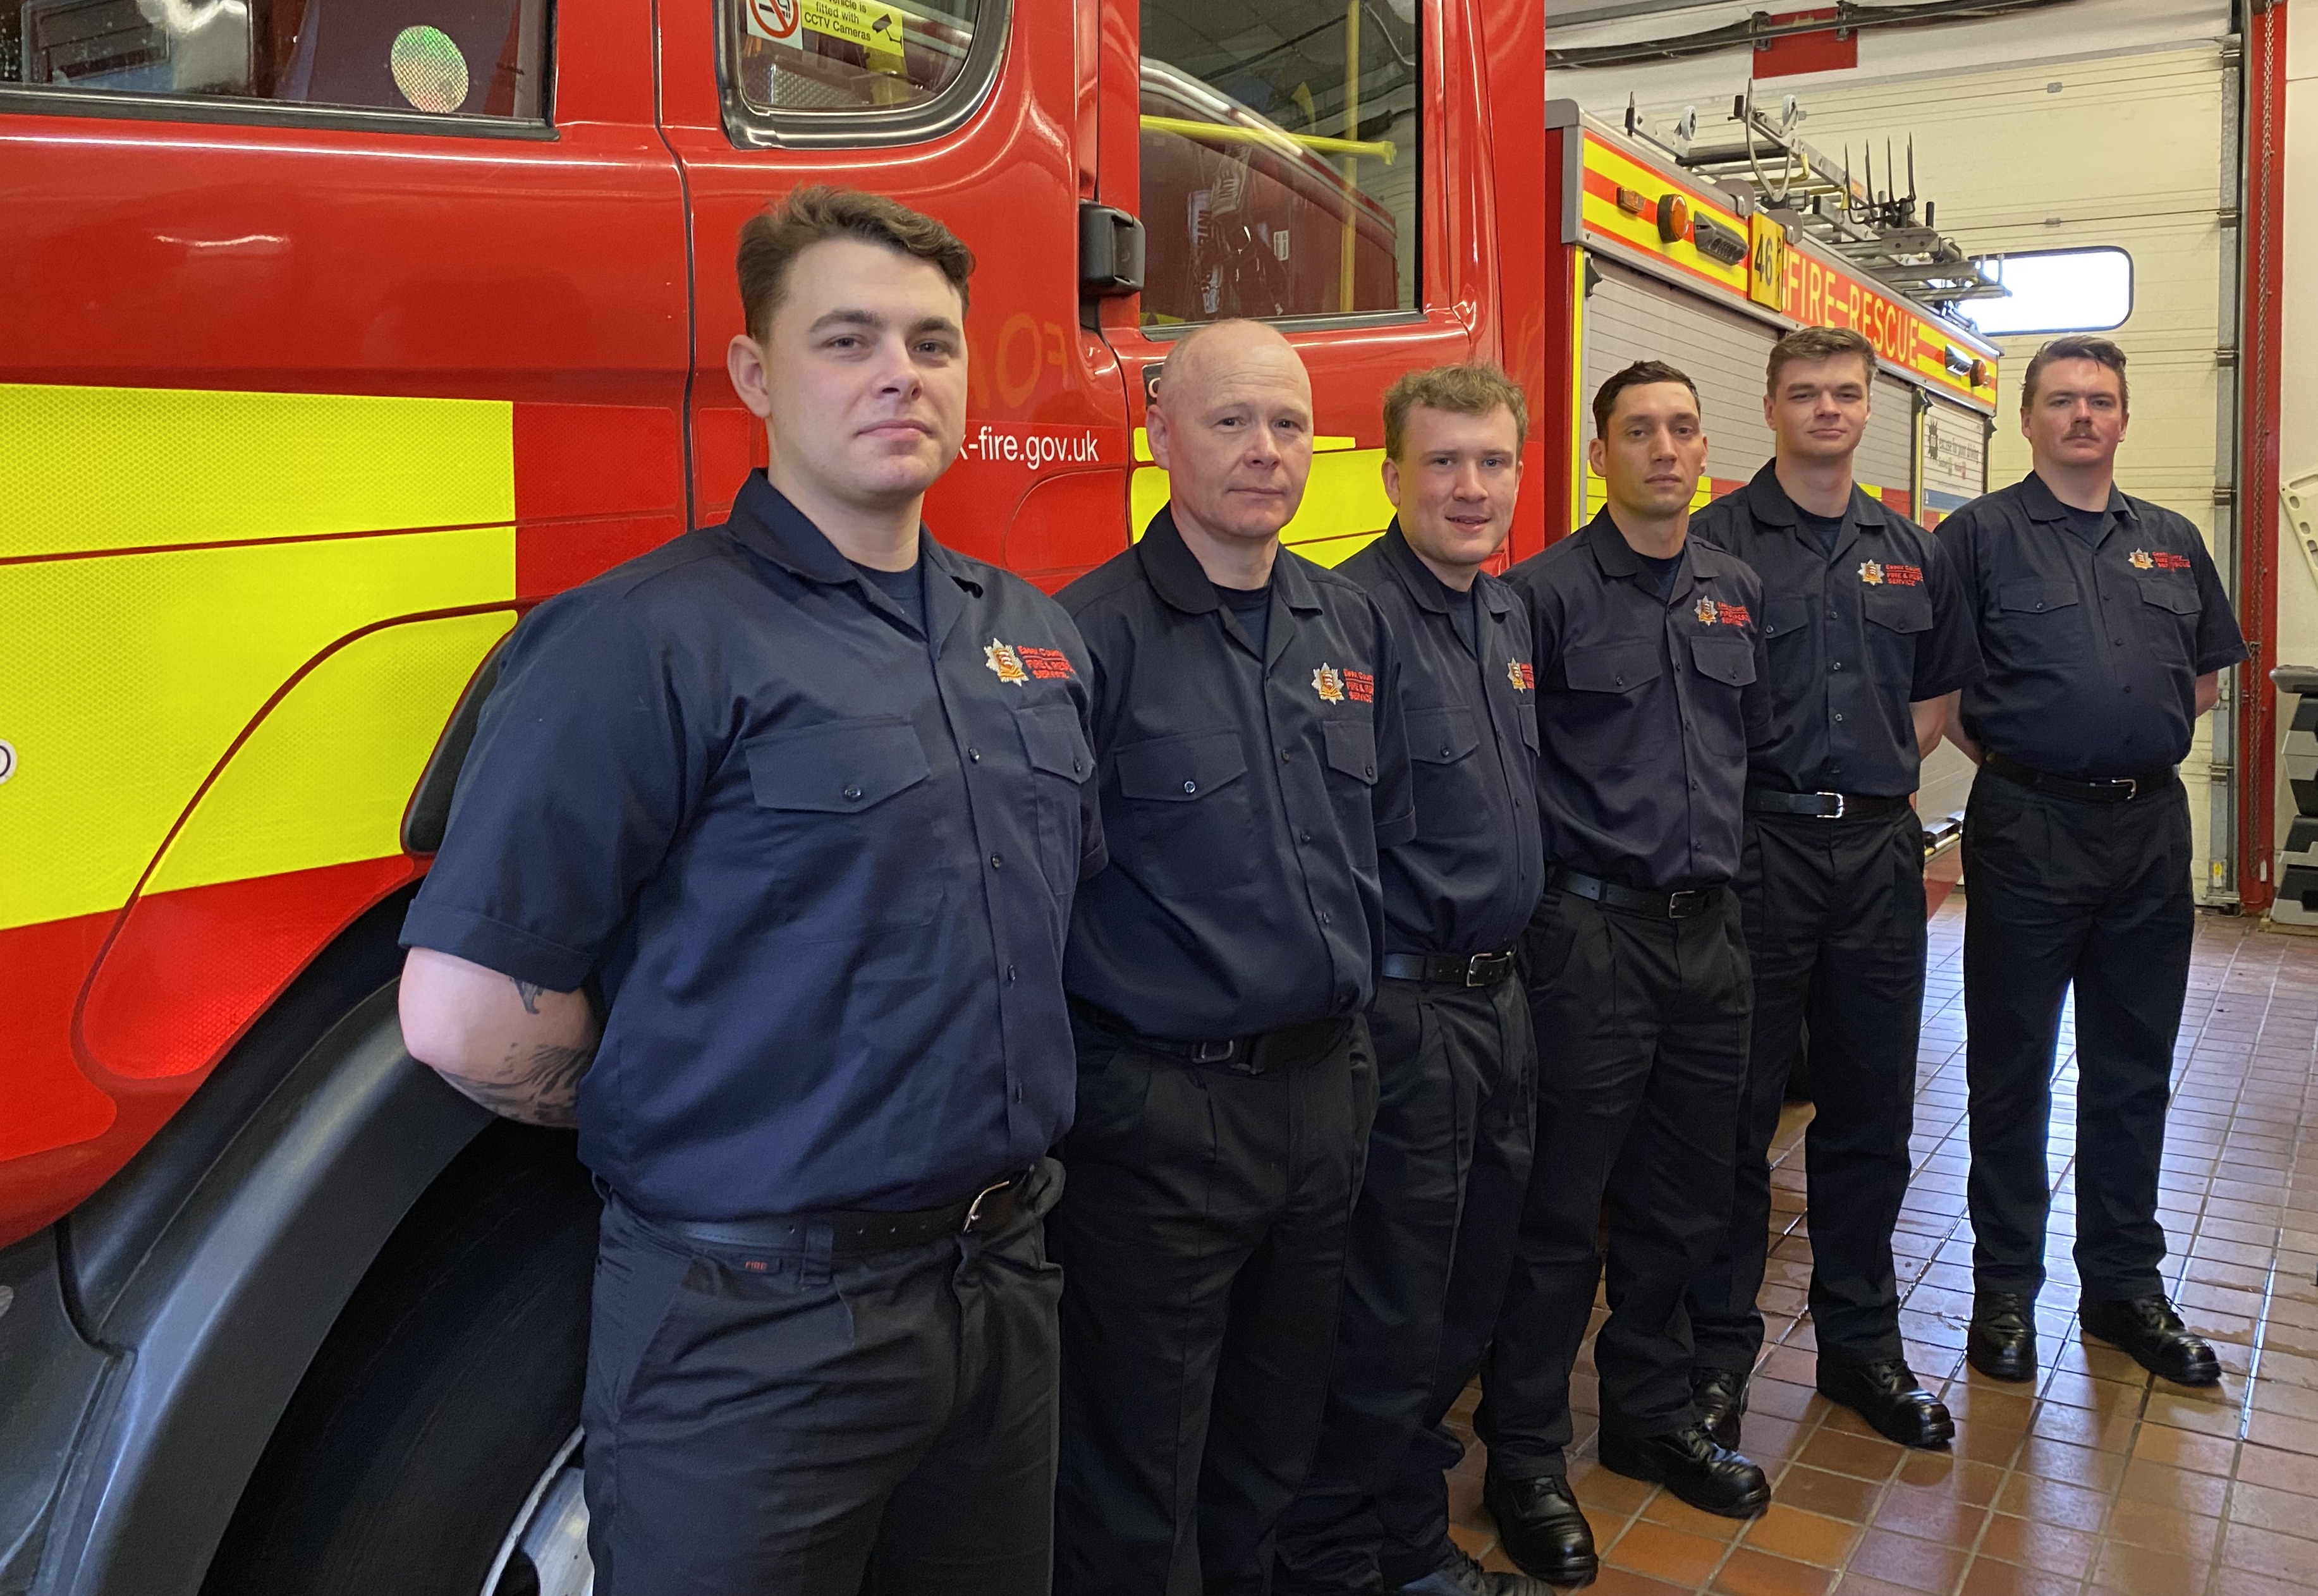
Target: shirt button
{"x": 852, "y": 795}
{"x": 1190, "y": 786}
{"x": 1018, "y": 1094}
{"x": 1838, "y": 717}
{"x": 1444, "y": 750}
{"x": 1303, "y": 836}
{"x": 1325, "y": 920}
{"x": 1078, "y": 767}
{"x": 997, "y": 862}
{"x": 975, "y": 755}
{"x": 1837, "y": 666}
{"x": 1283, "y": 755}
{"x": 1010, "y": 974}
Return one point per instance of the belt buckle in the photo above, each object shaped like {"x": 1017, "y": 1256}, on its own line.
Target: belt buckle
{"x": 972, "y": 1221}
{"x": 1482, "y": 967}
{"x": 1840, "y": 805}
{"x": 1682, "y": 905}
{"x": 1213, "y": 1053}
{"x": 2132, "y": 785}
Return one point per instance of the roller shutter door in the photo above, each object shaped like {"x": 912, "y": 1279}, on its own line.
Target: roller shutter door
{"x": 1630, "y": 317}
{"x": 1887, "y": 454}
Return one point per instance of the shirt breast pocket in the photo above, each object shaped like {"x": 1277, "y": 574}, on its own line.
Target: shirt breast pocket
{"x": 2170, "y": 613}
{"x": 1189, "y": 817}
{"x": 1895, "y": 621}
{"x": 1442, "y": 743}
{"x": 1056, "y": 749}
{"x": 1595, "y": 724}
{"x": 842, "y": 822}
{"x": 1786, "y": 616}
{"x": 2036, "y": 620}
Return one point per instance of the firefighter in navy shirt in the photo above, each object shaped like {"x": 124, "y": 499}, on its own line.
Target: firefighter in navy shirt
{"x": 1649, "y": 658}
{"x": 1248, "y": 733}
{"x": 1868, "y": 634}
{"x": 1440, "y": 1206}
{"x": 806, "y": 795}
{"x": 2106, "y": 629}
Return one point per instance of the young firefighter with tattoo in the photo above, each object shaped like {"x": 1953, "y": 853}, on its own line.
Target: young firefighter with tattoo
{"x": 808, "y": 795}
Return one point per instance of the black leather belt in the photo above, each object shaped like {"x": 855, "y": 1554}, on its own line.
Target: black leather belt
{"x": 1285, "y": 1048}
{"x": 1823, "y": 806}
{"x": 852, "y": 1234}
{"x": 1671, "y": 906}
{"x": 2114, "y": 789}
{"x": 1483, "y": 969}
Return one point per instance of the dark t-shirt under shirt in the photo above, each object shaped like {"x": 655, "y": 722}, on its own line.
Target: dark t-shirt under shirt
{"x": 1253, "y": 605}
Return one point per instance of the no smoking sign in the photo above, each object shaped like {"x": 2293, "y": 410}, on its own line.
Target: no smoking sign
{"x": 774, "y": 19}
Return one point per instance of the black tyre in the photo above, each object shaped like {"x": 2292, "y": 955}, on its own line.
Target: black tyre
{"x": 431, "y": 1424}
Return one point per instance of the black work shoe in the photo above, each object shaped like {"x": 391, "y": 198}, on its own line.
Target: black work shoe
{"x": 1720, "y": 1398}
{"x": 1461, "y": 1576}
{"x": 1885, "y": 1395}
{"x": 1713, "y": 1479}
{"x": 1540, "y": 1527}
{"x": 2148, "y": 1328}
{"x": 2003, "y": 1341}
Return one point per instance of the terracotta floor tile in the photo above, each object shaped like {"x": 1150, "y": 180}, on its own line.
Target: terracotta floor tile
{"x": 1788, "y": 1531}
{"x": 2164, "y": 1485}
{"x": 1817, "y": 1491}
{"x": 1667, "y": 1554}
{"x": 2050, "y": 1548}
{"x": 1909, "y": 1563}
{"x": 1600, "y": 1493}
{"x": 2165, "y": 1529}
{"x": 1931, "y": 1515}
{"x": 1865, "y": 1457}
{"x": 2291, "y": 1435}
{"x": 1782, "y": 1399}
{"x": 1623, "y": 1582}
{"x": 2186, "y": 1448}
{"x": 2238, "y": 1581}
{"x": 2049, "y": 1502}
{"x": 2136, "y": 1571}
{"x": 2070, "y": 1464}
{"x": 2261, "y": 1551}
{"x": 1753, "y": 1573}
{"x": 1986, "y": 1577}
{"x": 1867, "y": 1584}
{"x": 1667, "y": 1509}
{"x": 1959, "y": 1477}
{"x": 2110, "y": 1432}
{"x": 2281, "y": 1512}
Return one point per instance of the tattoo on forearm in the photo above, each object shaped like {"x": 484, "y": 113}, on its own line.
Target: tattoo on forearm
{"x": 529, "y": 993}
{"x": 542, "y": 1090}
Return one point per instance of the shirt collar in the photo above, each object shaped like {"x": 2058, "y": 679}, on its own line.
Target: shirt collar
{"x": 764, "y": 521}
{"x": 1611, "y": 551}
{"x": 1430, "y": 592}
{"x": 1175, "y": 573}
{"x": 1767, "y": 500}
{"x": 2044, "y": 505}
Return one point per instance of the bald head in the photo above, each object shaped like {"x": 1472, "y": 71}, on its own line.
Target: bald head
{"x": 1232, "y": 425}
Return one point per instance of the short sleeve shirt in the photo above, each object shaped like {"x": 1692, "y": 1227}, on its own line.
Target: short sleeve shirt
{"x": 1246, "y": 795}
{"x": 1645, "y": 706}
{"x": 822, "y": 862}
{"x": 1854, "y": 635}
{"x": 1468, "y": 881}
{"x": 2094, "y": 645}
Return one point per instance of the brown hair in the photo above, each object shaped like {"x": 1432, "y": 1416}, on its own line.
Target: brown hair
{"x": 772, "y": 240}
{"x": 1817, "y": 344}
{"x": 1474, "y": 387}
{"x": 2074, "y": 347}
{"x": 1640, "y": 374}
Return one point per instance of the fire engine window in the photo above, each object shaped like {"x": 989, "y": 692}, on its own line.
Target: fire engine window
{"x": 441, "y": 58}
{"x": 1281, "y": 152}
{"x": 2055, "y": 291}
{"x": 849, "y": 55}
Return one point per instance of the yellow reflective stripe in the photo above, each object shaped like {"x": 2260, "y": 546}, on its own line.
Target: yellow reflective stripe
{"x": 88, "y": 469}
{"x": 124, "y": 678}
{"x": 324, "y": 777}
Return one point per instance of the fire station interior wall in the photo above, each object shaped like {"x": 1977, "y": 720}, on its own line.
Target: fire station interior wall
{"x": 2126, "y": 149}
{"x": 1631, "y": 317}
{"x": 2298, "y": 571}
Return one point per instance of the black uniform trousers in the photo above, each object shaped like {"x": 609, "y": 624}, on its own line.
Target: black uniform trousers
{"x": 788, "y": 1422}
{"x": 1204, "y": 1239}
{"x": 1642, "y": 1045}
{"x": 1431, "y": 1245}
{"x": 2059, "y": 893}
{"x": 1834, "y": 911}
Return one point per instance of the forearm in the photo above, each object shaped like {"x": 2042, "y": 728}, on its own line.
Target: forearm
{"x": 1931, "y": 718}
{"x": 517, "y": 1049}
{"x": 2209, "y": 690}
{"x": 1955, "y": 732}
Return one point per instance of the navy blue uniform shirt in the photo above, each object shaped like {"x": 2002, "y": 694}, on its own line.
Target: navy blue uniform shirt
{"x": 2094, "y": 645}
{"x": 1468, "y": 881}
{"x": 1855, "y": 634}
{"x": 823, "y": 868}
{"x": 1645, "y": 707}
{"x": 1244, "y": 796}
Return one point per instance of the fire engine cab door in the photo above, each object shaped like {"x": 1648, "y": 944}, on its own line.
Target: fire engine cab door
{"x": 1316, "y": 164}
{"x": 968, "y": 110}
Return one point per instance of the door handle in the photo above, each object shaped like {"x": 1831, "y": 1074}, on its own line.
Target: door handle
{"x": 1111, "y": 252}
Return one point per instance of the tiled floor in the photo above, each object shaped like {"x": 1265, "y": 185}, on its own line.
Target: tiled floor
{"x": 2097, "y": 1480}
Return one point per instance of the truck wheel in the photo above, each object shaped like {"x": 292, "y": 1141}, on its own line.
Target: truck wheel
{"x": 433, "y": 1446}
